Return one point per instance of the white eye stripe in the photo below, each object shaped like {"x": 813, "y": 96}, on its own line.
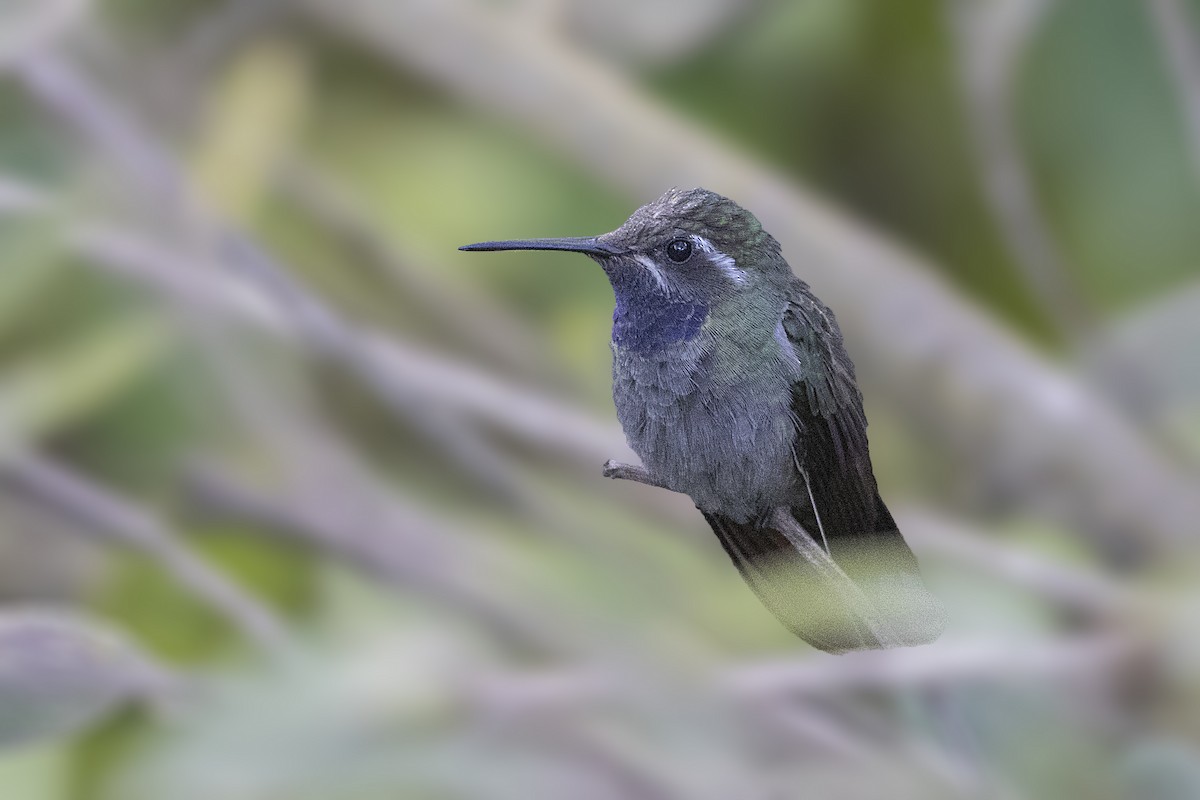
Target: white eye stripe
{"x": 654, "y": 270}
{"x": 723, "y": 261}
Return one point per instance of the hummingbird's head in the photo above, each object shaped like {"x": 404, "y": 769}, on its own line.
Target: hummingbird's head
{"x": 683, "y": 256}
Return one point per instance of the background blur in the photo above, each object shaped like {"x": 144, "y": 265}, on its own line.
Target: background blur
{"x": 299, "y": 503}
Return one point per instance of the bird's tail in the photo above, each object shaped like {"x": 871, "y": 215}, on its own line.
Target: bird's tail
{"x": 798, "y": 593}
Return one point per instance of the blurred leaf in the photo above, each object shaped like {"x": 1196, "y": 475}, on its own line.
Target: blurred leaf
{"x": 39, "y": 773}
{"x": 167, "y": 617}
{"x": 254, "y": 116}
{"x": 420, "y": 168}
{"x": 60, "y": 673}
{"x": 159, "y": 612}
{"x": 63, "y": 387}
{"x": 1104, "y": 137}
{"x": 30, "y": 269}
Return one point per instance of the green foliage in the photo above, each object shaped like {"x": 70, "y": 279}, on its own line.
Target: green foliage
{"x": 1109, "y": 141}
{"x": 63, "y": 387}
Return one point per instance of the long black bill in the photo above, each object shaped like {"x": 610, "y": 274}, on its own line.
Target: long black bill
{"x": 579, "y": 244}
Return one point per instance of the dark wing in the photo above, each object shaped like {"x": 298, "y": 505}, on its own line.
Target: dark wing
{"x": 831, "y": 450}
{"x": 831, "y": 428}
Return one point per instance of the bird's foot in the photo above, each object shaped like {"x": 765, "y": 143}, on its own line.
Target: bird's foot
{"x": 631, "y": 472}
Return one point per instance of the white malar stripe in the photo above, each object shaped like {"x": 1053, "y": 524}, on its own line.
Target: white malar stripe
{"x": 655, "y": 270}
{"x": 723, "y": 261}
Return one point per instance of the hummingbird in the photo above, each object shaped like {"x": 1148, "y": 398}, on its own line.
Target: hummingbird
{"x": 733, "y": 386}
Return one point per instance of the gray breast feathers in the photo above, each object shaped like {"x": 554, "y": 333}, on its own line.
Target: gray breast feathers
{"x": 726, "y": 445}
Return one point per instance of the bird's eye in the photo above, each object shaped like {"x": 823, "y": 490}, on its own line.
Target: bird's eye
{"x": 679, "y": 250}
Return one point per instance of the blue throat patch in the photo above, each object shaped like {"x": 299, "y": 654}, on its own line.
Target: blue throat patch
{"x": 646, "y": 320}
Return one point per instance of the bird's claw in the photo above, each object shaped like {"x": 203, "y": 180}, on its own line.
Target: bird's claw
{"x": 613, "y": 469}
{"x": 631, "y": 472}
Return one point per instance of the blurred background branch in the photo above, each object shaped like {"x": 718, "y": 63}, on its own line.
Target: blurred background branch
{"x": 32, "y": 26}
{"x": 111, "y": 517}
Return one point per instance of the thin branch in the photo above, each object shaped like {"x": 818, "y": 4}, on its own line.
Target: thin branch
{"x": 104, "y": 513}
{"x": 1073, "y": 588}
{"x": 558, "y": 696}
{"x": 628, "y": 777}
{"x": 908, "y": 332}
{"x": 820, "y": 677}
{"x": 909, "y": 668}
{"x": 63, "y": 671}
{"x": 58, "y": 87}
{"x": 396, "y": 544}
